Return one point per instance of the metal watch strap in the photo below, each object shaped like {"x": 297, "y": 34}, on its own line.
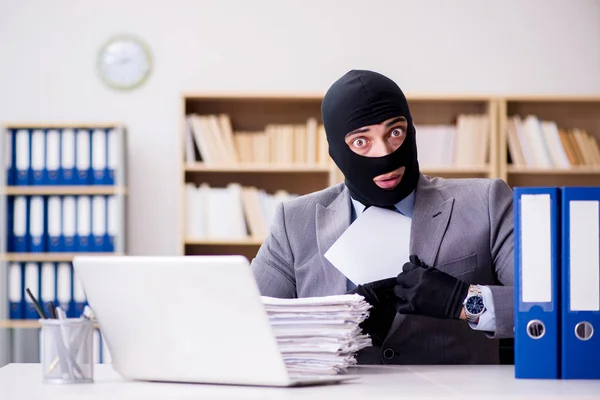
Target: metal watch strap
{"x": 474, "y": 290}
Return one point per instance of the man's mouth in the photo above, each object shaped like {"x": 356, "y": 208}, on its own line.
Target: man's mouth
{"x": 388, "y": 181}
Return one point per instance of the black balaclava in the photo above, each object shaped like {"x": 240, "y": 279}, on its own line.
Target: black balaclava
{"x": 361, "y": 98}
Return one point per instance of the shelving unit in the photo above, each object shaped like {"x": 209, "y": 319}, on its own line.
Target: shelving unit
{"x": 252, "y": 112}
{"x": 568, "y": 112}
{"x": 26, "y": 330}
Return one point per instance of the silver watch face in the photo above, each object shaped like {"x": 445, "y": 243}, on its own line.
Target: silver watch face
{"x": 474, "y": 305}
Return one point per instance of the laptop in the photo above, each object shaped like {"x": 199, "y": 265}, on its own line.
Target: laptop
{"x": 186, "y": 319}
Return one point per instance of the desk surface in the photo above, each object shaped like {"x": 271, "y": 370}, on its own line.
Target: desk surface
{"x": 23, "y": 381}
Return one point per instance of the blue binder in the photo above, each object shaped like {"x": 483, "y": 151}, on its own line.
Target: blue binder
{"x": 64, "y": 287}
{"x": 55, "y": 232}
{"x": 33, "y": 282}
{"x": 37, "y": 224}
{"x": 83, "y": 157}
{"x": 537, "y": 301}
{"x": 111, "y": 216}
{"x": 52, "y": 171}
{"x": 581, "y": 283}
{"x": 11, "y": 172}
{"x": 99, "y": 157}
{"x": 99, "y": 222}
{"x": 38, "y": 157}
{"x": 69, "y": 224}
{"x": 112, "y": 155}
{"x": 84, "y": 237}
{"x": 22, "y": 158}
{"x": 10, "y": 202}
{"x": 67, "y": 169}
{"x": 20, "y": 232}
{"x": 16, "y": 290}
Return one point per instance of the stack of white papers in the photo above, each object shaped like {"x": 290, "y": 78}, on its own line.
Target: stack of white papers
{"x": 319, "y": 335}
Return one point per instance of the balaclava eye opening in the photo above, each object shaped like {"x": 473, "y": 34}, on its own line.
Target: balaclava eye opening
{"x": 361, "y": 98}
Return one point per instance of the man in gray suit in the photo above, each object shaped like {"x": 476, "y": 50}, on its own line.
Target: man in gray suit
{"x": 453, "y": 299}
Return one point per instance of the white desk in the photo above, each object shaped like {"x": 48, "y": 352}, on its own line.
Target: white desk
{"x": 23, "y": 381}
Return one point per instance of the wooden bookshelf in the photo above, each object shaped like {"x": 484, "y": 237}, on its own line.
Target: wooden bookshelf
{"x": 568, "y": 113}
{"x": 114, "y": 197}
{"x": 252, "y": 112}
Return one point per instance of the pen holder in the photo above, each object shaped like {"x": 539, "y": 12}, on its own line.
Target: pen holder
{"x": 67, "y": 350}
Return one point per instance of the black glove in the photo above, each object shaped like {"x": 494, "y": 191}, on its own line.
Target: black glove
{"x": 380, "y": 294}
{"x": 427, "y": 291}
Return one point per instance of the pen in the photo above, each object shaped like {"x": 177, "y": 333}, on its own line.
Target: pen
{"x": 52, "y": 310}
{"x": 37, "y": 306}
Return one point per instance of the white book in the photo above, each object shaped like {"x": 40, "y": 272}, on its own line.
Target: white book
{"x": 535, "y": 136}
{"x": 555, "y": 146}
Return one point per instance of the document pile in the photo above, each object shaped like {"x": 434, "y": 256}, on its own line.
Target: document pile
{"x": 319, "y": 335}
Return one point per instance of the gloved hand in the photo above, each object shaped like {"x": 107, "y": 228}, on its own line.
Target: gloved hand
{"x": 427, "y": 291}
{"x": 380, "y": 294}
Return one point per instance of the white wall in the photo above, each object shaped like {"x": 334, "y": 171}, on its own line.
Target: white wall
{"x": 48, "y": 50}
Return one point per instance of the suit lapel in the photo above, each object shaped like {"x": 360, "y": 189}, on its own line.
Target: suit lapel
{"x": 430, "y": 219}
{"x": 431, "y": 216}
{"x": 331, "y": 222}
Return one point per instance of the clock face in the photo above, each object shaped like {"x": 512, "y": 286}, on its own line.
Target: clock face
{"x": 475, "y": 305}
{"x": 124, "y": 62}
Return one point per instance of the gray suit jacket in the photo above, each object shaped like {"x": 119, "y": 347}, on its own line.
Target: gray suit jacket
{"x": 462, "y": 226}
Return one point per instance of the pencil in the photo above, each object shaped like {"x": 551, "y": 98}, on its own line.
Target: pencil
{"x": 37, "y": 306}
{"x": 52, "y": 310}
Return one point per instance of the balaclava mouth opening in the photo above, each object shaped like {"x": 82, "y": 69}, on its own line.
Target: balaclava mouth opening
{"x": 361, "y": 98}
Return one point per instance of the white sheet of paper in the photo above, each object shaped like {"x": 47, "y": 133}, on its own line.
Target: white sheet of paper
{"x": 374, "y": 247}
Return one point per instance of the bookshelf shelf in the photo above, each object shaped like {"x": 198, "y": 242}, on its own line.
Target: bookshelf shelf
{"x": 19, "y": 324}
{"x": 574, "y": 170}
{"x": 456, "y": 172}
{"x": 47, "y": 257}
{"x": 23, "y": 324}
{"x": 63, "y": 190}
{"x": 250, "y": 241}
{"x": 257, "y": 168}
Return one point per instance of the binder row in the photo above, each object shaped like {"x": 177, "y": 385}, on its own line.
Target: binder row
{"x": 557, "y": 282}
{"x": 62, "y": 156}
{"x": 48, "y": 281}
{"x": 81, "y": 223}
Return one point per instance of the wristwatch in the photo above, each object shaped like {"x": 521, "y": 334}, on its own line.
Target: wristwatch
{"x": 474, "y": 305}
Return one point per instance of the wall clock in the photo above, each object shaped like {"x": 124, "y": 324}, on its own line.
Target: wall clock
{"x": 124, "y": 62}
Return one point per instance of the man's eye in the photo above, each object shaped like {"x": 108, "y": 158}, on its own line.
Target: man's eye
{"x": 359, "y": 142}
{"x": 397, "y": 132}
